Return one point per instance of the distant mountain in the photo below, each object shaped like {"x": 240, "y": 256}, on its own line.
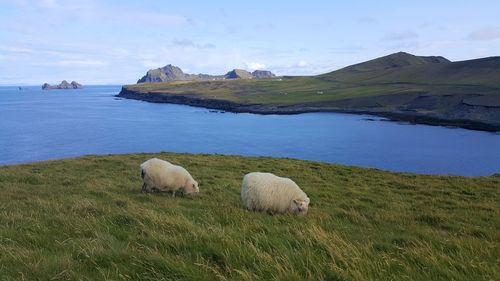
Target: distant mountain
{"x": 396, "y": 60}
{"x": 64, "y": 85}
{"x": 164, "y": 74}
{"x": 407, "y": 68}
{"x": 170, "y": 73}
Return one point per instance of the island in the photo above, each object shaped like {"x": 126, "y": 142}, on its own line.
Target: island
{"x": 64, "y": 85}
{"x": 401, "y": 86}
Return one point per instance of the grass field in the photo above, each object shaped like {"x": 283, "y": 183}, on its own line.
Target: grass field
{"x": 85, "y": 219}
{"x": 287, "y": 90}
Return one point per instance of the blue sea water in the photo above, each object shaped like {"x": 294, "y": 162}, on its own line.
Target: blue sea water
{"x": 39, "y": 125}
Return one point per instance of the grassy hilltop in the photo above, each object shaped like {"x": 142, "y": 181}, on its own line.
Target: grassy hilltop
{"x": 85, "y": 219}
{"x": 400, "y": 86}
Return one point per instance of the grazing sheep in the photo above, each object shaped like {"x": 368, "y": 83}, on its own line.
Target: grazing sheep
{"x": 161, "y": 175}
{"x": 267, "y": 192}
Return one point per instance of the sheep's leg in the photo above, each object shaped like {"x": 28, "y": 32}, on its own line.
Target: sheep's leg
{"x": 143, "y": 190}
{"x": 173, "y": 194}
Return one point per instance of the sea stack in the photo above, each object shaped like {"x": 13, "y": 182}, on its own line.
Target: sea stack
{"x": 64, "y": 85}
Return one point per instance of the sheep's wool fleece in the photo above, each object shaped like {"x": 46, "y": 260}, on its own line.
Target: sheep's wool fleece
{"x": 268, "y": 192}
{"x": 164, "y": 176}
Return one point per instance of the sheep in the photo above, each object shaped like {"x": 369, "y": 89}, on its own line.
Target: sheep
{"x": 268, "y": 192}
{"x": 161, "y": 175}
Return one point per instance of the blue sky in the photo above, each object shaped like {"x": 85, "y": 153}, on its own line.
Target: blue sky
{"x": 116, "y": 42}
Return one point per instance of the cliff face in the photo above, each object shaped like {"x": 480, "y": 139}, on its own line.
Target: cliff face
{"x": 238, "y": 74}
{"x": 63, "y": 85}
{"x": 165, "y": 74}
{"x": 456, "y": 113}
{"x": 262, "y": 74}
{"x": 170, "y": 73}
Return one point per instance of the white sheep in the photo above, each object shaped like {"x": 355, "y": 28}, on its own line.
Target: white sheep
{"x": 267, "y": 192}
{"x": 161, "y": 175}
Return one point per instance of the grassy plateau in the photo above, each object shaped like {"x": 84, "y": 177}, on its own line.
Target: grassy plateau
{"x": 85, "y": 219}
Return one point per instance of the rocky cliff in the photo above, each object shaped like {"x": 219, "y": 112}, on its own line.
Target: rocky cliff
{"x": 170, "y": 73}
{"x": 238, "y": 74}
{"x": 63, "y": 85}
{"x": 262, "y": 74}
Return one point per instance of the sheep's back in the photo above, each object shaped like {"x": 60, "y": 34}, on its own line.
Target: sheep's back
{"x": 160, "y": 174}
{"x": 265, "y": 191}
{"x": 177, "y": 176}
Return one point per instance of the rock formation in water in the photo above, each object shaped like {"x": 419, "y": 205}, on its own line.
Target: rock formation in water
{"x": 64, "y": 85}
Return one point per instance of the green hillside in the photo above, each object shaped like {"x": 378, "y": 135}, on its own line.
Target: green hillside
{"x": 406, "y": 68}
{"x": 85, "y": 219}
{"x": 401, "y": 86}
{"x": 396, "y": 73}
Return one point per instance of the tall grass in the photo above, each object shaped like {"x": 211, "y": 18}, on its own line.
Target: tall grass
{"x": 85, "y": 219}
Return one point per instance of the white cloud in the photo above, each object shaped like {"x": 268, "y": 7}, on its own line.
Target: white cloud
{"x": 367, "y": 20}
{"x": 97, "y": 11}
{"x": 347, "y": 49}
{"x": 404, "y": 45}
{"x": 53, "y": 5}
{"x": 302, "y": 63}
{"x": 49, "y": 4}
{"x": 81, "y": 63}
{"x": 400, "y": 36}
{"x": 255, "y": 65}
{"x": 401, "y": 40}
{"x": 185, "y": 43}
{"x": 483, "y": 34}
{"x": 208, "y": 46}
{"x": 15, "y": 49}
{"x": 150, "y": 17}
{"x": 308, "y": 69}
{"x": 150, "y": 64}
{"x": 4, "y": 57}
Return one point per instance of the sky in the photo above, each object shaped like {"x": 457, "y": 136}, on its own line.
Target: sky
{"x": 116, "y": 42}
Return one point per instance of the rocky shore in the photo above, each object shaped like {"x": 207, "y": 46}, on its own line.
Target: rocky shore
{"x": 454, "y": 118}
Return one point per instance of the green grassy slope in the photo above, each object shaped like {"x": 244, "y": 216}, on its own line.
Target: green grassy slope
{"x": 85, "y": 219}
{"x": 398, "y": 73}
{"x": 407, "y": 68}
{"x": 287, "y": 90}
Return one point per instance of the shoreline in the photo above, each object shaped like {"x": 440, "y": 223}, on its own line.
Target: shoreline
{"x": 267, "y": 157}
{"x": 229, "y": 106}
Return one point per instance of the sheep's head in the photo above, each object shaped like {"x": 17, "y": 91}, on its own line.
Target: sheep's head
{"x": 191, "y": 187}
{"x": 300, "y": 206}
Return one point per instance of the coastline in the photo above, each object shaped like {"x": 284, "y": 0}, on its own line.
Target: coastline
{"x": 267, "y": 109}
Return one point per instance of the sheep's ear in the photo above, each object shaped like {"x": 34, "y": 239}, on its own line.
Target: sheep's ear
{"x": 307, "y": 200}
{"x": 296, "y": 201}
